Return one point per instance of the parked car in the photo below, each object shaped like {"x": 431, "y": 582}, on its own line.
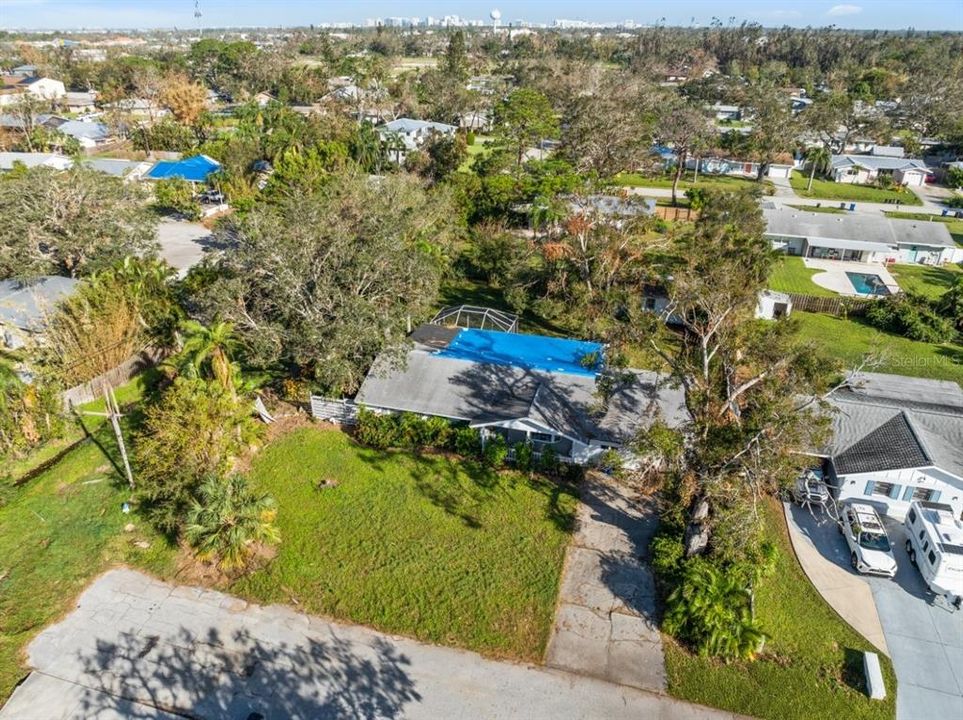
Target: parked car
{"x": 934, "y": 542}
{"x": 810, "y": 487}
{"x": 869, "y": 548}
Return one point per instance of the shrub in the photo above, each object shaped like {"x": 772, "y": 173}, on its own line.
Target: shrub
{"x": 524, "y": 456}
{"x": 30, "y": 414}
{"x": 495, "y": 451}
{"x": 711, "y": 610}
{"x": 548, "y": 463}
{"x": 955, "y": 202}
{"x": 376, "y": 430}
{"x": 667, "y": 553}
{"x": 466, "y": 441}
{"x": 470, "y": 137}
{"x": 911, "y": 316}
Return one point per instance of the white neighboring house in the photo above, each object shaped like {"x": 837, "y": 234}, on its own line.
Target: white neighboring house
{"x": 866, "y": 169}
{"x": 9, "y": 160}
{"x": 897, "y": 439}
{"x": 859, "y": 238}
{"x": 16, "y": 87}
{"x": 88, "y": 134}
{"x": 80, "y": 101}
{"x": 412, "y": 134}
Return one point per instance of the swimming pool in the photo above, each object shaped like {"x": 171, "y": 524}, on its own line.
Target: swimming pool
{"x": 867, "y": 283}
{"x": 532, "y": 352}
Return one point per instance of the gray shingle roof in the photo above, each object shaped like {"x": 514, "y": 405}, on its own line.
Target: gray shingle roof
{"x": 432, "y": 384}
{"x": 877, "y": 162}
{"x": 864, "y": 228}
{"x": 888, "y": 422}
{"x": 25, "y": 304}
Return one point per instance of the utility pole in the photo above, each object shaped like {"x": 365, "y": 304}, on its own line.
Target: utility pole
{"x": 113, "y": 414}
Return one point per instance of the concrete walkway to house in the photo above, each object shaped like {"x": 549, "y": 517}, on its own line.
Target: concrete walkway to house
{"x": 846, "y": 593}
{"x": 833, "y": 275}
{"x": 606, "y": 624}
{"x": 139, "y": 648}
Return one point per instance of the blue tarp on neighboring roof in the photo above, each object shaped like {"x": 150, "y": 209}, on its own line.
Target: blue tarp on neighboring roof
{"x": 531, "y": 352}
{"x": 193, "y": 169}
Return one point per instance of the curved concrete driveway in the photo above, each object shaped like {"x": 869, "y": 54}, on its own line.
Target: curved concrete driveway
{"x": 924, "y": 638}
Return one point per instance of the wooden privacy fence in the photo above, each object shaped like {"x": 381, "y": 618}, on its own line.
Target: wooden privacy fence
{"x": 341, "y": 412}
{"x": 676, "y": 213}
{"x": 94, "y": 388}
{"x": 830, "y": 305}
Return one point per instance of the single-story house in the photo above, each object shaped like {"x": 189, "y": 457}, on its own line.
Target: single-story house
{"x": 859, "y": 238}
{"x": 865, "y": 169}
{"x": 80, "y": 101}
{"x": 412, "y": 134}
{"x": 88, "y": 134}
{"x": 475, "y": 121}
{"x": 897, "y": 439}
{"x": 611, "y": 206}
{"x": 128, "y": 170}
{"x": 9, "y": 160}
{"x": 726, "y": 112}
{"x": 715, "y": 165}
{"x": 195, "y": 169}
{"x": 139, "y": 107}
{"x": 527, "y": 388}
{"x": 25, "y": 305}
{"x": 14, "y": 87}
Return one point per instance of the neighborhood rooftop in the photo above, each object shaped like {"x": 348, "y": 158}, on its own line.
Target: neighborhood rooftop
{"x": 890, "y": 422}
{"x": 25, "y": 304}
{"x": 873, "y": 231}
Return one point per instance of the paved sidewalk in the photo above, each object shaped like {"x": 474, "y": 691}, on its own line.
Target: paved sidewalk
{"x": 606, "y": 625}
{"x": 845, "y": 592}
{"x": 136, "y": 647}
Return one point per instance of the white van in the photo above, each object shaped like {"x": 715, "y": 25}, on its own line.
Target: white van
{"x": 935, "y": 545}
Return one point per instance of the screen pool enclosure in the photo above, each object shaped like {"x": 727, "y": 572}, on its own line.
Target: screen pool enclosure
{"x": 530, "y": 352}
{"x": 867, "y": 284}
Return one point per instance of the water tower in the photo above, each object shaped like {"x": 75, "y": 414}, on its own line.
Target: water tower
{"x": 495, "y": 15}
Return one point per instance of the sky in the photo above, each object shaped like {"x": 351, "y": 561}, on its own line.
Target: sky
{"x": 858, "y": 14}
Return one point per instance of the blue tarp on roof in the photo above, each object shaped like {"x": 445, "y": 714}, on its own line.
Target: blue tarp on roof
{"x": 194, "y": 169}
{"x": 532, "y": 352}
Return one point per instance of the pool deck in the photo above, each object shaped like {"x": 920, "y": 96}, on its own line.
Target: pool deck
{"x": 833, "y": 275}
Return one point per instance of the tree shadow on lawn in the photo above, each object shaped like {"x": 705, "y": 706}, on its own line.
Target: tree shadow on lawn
{"x": 209, "y": 675}
{"x": 463, "y": 486}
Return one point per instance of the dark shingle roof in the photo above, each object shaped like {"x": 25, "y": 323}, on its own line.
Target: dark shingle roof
{"x": 891, "y": 446}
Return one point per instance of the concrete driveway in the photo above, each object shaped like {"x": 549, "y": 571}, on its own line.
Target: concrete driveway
{"x": 183, "y": 244}
{"x": 925, "y": 639}
{"x": 139, "y": 648}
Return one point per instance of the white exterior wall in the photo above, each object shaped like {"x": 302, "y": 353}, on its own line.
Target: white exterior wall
{"x": 47, "y": 89}
{"x": 950, "y": 488}
{"x": 860, "y": 177}
{"x": 915, "y": 178}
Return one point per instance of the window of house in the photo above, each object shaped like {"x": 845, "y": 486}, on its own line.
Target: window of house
{"x": 922, "y": 494}
{"x": 912, "y": 516}
{"x": 649, "y": 303}
{"x": 883, "y": 488}
{"x": 932, "y": 558}
{"x": 542, "y": 437}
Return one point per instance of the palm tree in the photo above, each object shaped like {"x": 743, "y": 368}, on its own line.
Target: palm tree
{"x": 207, "y": 350}
{"x": 228, "y": 520}
{"x": 818, "y": 159}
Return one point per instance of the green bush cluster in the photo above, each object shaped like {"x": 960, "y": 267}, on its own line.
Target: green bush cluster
{"x": 912, "y": 316}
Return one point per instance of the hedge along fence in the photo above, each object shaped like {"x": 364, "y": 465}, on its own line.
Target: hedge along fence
{"x": 94, "y": 388}
{"x": 837, "y": 306}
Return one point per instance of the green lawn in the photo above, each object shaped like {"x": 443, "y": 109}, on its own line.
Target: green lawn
{"x": 828, "y": 190}
{"x": 811, "y": 667}
{"x": 59, "y": 530}
{"x": 823, "y": 209}
{"x": 704, "y": 181}
{"x": 429, "y": 546}
{"x": 849, "y": 340}
{"x": 926, "y": 279}
{"x": 791, "y": 275}
{"x": 954, "y": 225}
{"x": 479, "y": 149}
